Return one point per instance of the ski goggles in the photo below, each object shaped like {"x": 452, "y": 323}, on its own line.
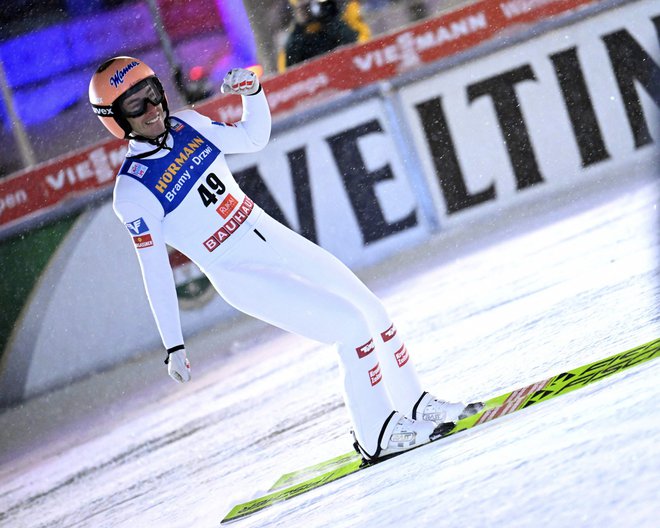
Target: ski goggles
{"x": 134, "y": 102}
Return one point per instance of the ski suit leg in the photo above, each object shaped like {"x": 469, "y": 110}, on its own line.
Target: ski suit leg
{"x": 255, "y": 280}
{"x": 318, "y": 266}
{"x": 293, "y": 284}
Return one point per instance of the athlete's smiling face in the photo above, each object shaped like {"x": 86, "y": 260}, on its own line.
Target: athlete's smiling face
{"x": 151, "y": 124}
{"x": 144, "y": 111}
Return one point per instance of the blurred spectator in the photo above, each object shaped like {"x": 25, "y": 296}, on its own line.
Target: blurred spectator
{"x": 320, "y": 26}
{"x": 353, "y": 18}
{"x": 196, "y": 87}
{"x": 417, "y": 10}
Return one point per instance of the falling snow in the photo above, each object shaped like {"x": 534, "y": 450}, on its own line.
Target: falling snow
{"x": 483, "y": 310}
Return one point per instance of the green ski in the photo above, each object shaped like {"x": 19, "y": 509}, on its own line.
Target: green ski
{"x": 304, "y": 480}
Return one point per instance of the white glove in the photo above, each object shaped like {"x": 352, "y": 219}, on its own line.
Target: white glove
{"x": 178, "y": 366}
{"x": 240, "y": 82}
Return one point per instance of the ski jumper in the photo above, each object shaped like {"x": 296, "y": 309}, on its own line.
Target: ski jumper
{"x": 185, "y": 196}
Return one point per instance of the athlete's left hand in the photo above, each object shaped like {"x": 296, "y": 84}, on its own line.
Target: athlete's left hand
{"x": 240, "y": 82}
{"x": 178, "y": 366}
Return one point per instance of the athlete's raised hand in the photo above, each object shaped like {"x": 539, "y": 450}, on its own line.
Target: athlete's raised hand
{"x": 240, "y": 82}
{"x": 178, "y": 366}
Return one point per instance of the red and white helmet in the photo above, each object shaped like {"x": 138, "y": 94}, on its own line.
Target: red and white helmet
{"x": 114, "y": 80}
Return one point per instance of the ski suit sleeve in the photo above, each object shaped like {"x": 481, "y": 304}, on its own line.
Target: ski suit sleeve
{"x": 155, "y": 265}
{"x": 250, "y": 134}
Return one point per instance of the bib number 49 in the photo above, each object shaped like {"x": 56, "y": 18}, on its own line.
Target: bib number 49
{"x": 207, "y": 195}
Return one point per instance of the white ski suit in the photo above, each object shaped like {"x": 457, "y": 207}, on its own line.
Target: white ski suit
{"x": 185, "y": 196}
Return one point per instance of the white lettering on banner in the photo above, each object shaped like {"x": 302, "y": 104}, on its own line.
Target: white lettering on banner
{"x": 72, "y": 175}
{"x": 520, "y": 7}
{"x": 11, "y": 200}
{"x": 99, "y": 165}
{"x": 409, "y": 56}
{"x": 408, "y": 44}
{"x": 102, "y": 168}
{"x": 117, "y": 156}
{"x": 306, "y": 87}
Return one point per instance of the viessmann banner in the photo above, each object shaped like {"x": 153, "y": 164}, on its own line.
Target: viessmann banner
{"x": 67, "y": 181}
{"x": 559, "y": 110}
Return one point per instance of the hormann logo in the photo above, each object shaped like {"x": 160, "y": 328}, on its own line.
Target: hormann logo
{"x": 183, "y": 156}
{"x": 118, "y": 77}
